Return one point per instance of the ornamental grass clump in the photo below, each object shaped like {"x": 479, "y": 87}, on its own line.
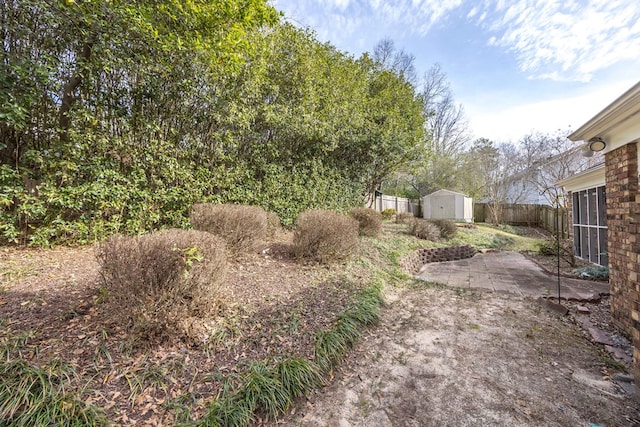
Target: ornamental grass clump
{"x": 262, "y": 390}
{"x": 42, "y": 396}
{"x": 324, "y": 236}
{"x": 155, "y": 283}
{"x": 369, "y": 221}
{"x": 242, "y": 227}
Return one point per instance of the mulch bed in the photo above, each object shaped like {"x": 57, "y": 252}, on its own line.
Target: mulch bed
{"x": 51, "y": 308}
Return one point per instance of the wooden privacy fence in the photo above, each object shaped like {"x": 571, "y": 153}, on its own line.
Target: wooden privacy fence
{"x": 400, "y": 204}
{"x": 542, "y": 216}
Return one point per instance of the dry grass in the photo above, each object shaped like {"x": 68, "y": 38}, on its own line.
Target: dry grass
{"x": 324, "y": 236}
{"x": 157, "y": 282}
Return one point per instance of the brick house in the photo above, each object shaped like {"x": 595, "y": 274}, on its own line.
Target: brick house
{"x": 606, "y": 208}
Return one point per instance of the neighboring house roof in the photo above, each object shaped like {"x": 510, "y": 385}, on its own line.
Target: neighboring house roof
{"x": 592, "y": 177}
{"x": 533, "y": 185}
{"x": 618, "y": 124}
{"x": 445, "y": 193}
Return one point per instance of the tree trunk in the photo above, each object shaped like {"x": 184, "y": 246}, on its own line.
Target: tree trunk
{"x": 496, "y": 212}
{"x": 68, "y": 94}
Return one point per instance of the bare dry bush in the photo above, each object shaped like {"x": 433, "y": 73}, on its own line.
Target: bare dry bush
{"x": 274, "y": 226}
{"x": 369, "y": 221}
{"x": 242, "y": 227}
{"x": 157, "y": 281}
{"x": 324, "y": 236}
{"x": 424, "y": 229}
{"x": 405, "y": 218}
{"x": 448, "y": 228}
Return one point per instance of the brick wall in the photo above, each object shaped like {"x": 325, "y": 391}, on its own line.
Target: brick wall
{"x": 623, "y": 220}
{"x": 568, "y": 204}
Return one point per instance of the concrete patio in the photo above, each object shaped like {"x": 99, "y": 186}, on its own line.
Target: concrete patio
{"x": 510, "y": 272}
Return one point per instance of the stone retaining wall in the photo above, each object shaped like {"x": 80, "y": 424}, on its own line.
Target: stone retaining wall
{"x": 412, "y": 263}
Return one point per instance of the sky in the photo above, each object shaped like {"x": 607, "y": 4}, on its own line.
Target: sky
{"x": 516, "y": 67}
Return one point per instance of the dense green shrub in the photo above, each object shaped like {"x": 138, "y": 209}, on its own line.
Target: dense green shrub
{"x": 160, "y": 280}
{"x": 324, "y": 236}
{"x": 369, "y": 221}
{"x": 423, "y": 229}
{"x": 242, "y": 227}
{"x": 118, "y": 154}
{"x": 405, "y": 218}
{"x": 596, "y": 272}
{"x": 447, "y": 227}
{"x": 548, "y": 248}
{"x": 388, "y": 214}
{"x": 90, "y": 205}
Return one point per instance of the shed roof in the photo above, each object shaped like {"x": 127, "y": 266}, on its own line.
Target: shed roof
{"x": 446, "y": 193}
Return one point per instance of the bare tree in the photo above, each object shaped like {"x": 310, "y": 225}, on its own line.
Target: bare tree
{"x": 551, "y": 158}
{"x": 448, "y": 128}
{"x": 434, "y": 86}
{"x": 500, "y": 186}
{"x": 487, "y": 172}
{"x": 447, "y": 133}
{"x": 391, "y": 58}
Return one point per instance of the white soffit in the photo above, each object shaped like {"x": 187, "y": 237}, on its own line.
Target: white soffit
{"x": 618, "y": 124}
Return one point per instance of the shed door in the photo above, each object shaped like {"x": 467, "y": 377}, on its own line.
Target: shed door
{"x": 443, "y": 207}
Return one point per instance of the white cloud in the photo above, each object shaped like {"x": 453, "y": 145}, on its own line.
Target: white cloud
{"x": 561, "y": 40}
{"x": 412, "y": 16}
{"x": 512, "y": 124}
{"x": 340, "y": 4}
{"x": 569, "y": 40}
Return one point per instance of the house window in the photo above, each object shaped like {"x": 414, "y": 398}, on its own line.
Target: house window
{"x": 590, "y": 225}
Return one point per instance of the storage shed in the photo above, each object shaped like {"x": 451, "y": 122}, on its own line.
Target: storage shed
{"x": 445, "y": 204}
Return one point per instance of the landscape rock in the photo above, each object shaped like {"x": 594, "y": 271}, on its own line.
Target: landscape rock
{"x": 554, "y": 306}
{"x": 600, "y": 336}
{"x": 583, "y": 309}
{"x": 619, "y": 354}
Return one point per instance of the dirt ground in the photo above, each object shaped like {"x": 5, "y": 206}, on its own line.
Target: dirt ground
{"x": 50, "y": 302}
{"x": 443, "y": 357}
{"x": 440, "y": 357}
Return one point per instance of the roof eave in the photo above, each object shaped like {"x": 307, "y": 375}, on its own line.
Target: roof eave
{"x": 591, "y": 177}
{"x": 604, "y": 123}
